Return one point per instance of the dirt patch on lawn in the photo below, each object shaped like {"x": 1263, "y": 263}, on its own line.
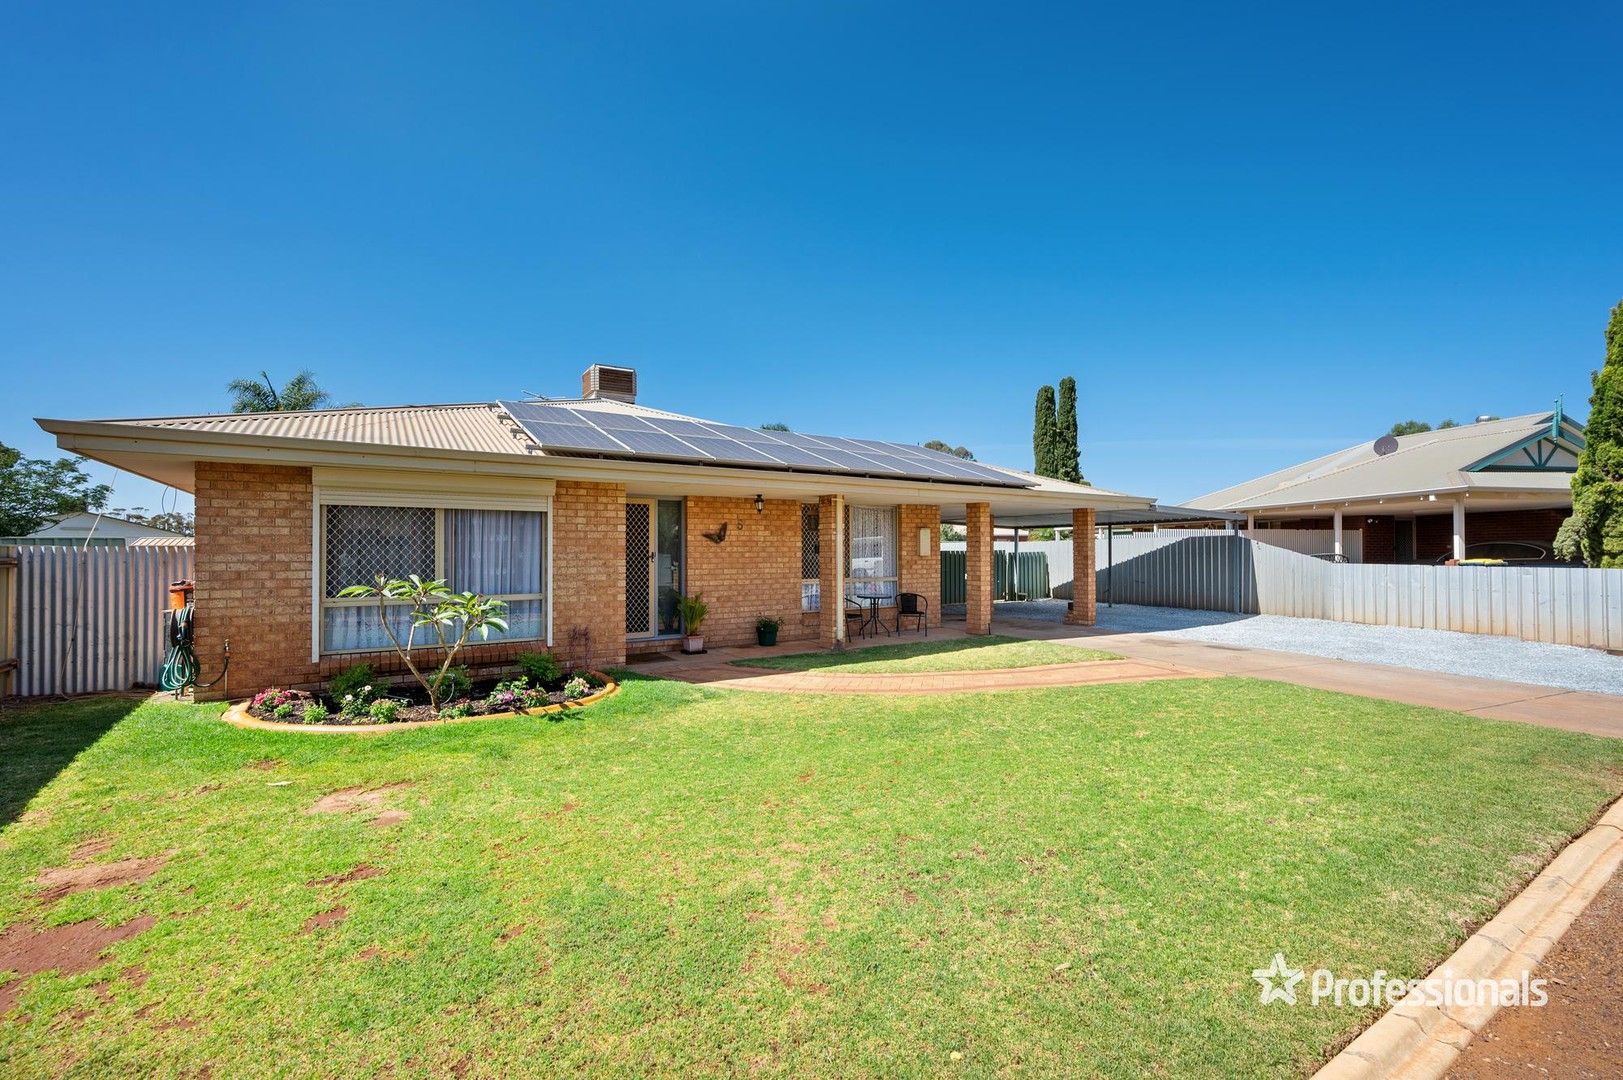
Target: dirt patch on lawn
{"x": 360, "y": 872}
{"x": 331, "y": 917}
{"x": 348, "y": 800}
{"x": 1579, "y": 1032}
{"x": 29, "y": 949}
{"x": 391, "y": 817}
{"x": 89, "y": 849}
{"x": 60, "y": 881}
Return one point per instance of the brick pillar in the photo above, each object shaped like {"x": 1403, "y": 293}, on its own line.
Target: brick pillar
{"x": 978, "y": 564}
{"x": 1084, "y": 608}
{"x": 831, "y": 570}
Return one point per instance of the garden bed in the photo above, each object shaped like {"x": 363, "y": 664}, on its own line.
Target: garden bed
{"x": 487, "y": 702}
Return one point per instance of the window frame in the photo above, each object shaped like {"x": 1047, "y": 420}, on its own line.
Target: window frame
{"x": 895, "y": 579}
{"x": 319, "y": 602}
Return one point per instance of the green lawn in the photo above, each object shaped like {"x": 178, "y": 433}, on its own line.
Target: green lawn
{"x": 684, "y": 881}
{"x": 948, "y": 654}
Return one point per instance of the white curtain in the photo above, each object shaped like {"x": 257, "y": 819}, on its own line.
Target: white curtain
{"x": 500, "y": 553}
{"x": 871, "y": 566}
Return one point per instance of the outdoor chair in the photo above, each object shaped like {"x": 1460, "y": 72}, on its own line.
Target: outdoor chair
{"x": 911, "y": 605}
{"x": 855, "y": 615}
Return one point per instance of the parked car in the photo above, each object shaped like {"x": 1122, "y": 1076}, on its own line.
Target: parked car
{"x": 1506, "y": 552}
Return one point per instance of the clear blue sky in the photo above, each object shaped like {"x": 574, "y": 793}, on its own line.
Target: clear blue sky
{"x": 1251, "y": 238}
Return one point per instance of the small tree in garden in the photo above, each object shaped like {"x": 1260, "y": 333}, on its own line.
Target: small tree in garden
{"x": 453, "y": 617}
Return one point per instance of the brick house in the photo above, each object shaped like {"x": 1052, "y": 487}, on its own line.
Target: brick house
{"x": 1496, "y": 488}
{"x": 588, "y": 516}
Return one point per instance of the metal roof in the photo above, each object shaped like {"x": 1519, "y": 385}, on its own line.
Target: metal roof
{"x": 474, "y": 428}
{"x": 1430, "y": 461}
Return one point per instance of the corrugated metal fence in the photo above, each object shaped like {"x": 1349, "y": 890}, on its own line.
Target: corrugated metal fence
{"x": 89, "y": 620}
{"x": 1031, "y": 577}
{"x": 1561, "y": 605}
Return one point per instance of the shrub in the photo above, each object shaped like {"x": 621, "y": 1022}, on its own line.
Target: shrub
{"x": 456, "y": 712}
{"x": 272, "y": 698}
{"x": 509, "y": 695}
{"x": 384, "y": 710}
{"x": 355, "y": 681}
{"x": 316, "y": 713}
{"x": 542, "y": 669}
{"x": 451, "y": 617}
{"x": 456, "y": 684}
{"x": 768, "y": 623}
{"x": 283, "y": 711}
{"x": 576, "y": 688}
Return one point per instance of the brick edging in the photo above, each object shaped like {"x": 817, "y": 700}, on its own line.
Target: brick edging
{"x": 238, "y": 716}
{"x": 1421, "y": 1041}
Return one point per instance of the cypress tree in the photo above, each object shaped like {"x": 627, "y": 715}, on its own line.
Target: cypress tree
{"x": 1068, "y": 465}
{"x": 1045, "y": 434}
{"x": 1597, "y": 486}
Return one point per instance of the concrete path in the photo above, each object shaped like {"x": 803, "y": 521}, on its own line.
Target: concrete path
{"x": 721, "y": 673}
{"x": 1158, "y": 656}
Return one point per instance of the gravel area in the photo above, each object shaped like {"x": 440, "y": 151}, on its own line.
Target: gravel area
{"x": 1483, "y": 655}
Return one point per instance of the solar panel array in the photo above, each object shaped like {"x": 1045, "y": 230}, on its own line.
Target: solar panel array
{"x": 617, "y": 434}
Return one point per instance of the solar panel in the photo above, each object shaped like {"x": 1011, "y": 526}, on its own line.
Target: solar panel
{"x": 568, "y": 436}
{"x": 557, "y": 427}
{"x": 657, "y": 442}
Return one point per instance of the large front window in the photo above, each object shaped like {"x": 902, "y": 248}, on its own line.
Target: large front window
{"x": 870, "y": 566}
{"x": 498, "y": 553}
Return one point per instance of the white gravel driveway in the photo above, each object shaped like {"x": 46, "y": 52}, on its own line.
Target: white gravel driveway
{"x": 1482, "y": 655}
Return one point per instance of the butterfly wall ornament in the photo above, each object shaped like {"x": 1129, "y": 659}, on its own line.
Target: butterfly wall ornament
{"x": 719, "y": 535}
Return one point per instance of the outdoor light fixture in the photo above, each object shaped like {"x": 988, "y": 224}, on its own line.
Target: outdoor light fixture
{"x": 924, "y": 540}
{"x": 760, "y": 504}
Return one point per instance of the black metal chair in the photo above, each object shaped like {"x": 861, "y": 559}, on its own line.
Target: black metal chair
{"x": 911, "y": 605}
{"x": 855, "y": 613}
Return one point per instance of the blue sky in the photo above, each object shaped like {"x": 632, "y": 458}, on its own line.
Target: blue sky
{"x": 1251, "y": 237}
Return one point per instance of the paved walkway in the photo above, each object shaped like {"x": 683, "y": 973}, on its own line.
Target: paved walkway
{"x": 1163, "y": 657}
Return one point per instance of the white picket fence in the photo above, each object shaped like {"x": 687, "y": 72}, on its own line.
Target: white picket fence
{"x": 89, "y": 620}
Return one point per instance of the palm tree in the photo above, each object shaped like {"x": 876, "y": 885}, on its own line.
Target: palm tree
{"x": 300, "y": 394}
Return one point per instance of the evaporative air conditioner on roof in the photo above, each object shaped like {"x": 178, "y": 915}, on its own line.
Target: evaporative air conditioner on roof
{"x": 616, "y": 383}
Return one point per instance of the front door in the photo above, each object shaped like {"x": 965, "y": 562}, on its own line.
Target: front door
{"x": 653, "y": 566}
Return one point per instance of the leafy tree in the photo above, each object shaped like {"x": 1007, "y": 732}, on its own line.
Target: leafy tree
{"x": 434, "y": 607}
{"x": 35, "y": 491}
{"x": 775, "y": 426}
{"x": 1446, "y": 424}
{"x": 952, "y": 532}
{"x": 948, "y": 448}
{"x": 1409, "y": 427}
{"x": 1045, "y": 434}
{"x": 298, "y": 394}
{"x": 1068, "y": 462}
{"x": 1597, "y": 486}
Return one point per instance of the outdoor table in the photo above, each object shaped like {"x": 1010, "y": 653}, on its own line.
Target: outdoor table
{"x": 873, "y": 602}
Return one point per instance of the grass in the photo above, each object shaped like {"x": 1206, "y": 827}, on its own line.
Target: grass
{"x": 949, "y": 654}
{"x": 682, "y": 880}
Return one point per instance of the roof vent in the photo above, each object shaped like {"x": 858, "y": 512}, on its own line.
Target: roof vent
{"x": 602, "y": 381}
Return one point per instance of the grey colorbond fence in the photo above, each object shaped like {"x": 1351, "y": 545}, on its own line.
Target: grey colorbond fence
{"x": 1560, "y": 605}
{"x": 89, "y": 620}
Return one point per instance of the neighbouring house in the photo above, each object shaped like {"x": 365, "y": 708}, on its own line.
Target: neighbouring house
{"x": 588, "y": 516}
{"x": 1425, "y": 497}
{"x": 85, "y": 528}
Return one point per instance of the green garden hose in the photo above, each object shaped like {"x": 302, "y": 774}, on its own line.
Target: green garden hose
{"x": 180, "y": 669}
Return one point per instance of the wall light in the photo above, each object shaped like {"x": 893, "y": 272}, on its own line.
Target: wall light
{"x": 924, "y": 540}
{"x": 760, "y": 504}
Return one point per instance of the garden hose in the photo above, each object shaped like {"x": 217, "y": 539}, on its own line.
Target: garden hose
{"x": 180, "y": 669}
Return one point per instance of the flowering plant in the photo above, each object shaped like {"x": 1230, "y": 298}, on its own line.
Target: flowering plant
{"x": 272, "y": 698}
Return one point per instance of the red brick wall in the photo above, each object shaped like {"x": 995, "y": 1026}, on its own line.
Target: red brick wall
{"x": 253, "y": 576}
{"x": 1084, "y": 608}
{"x": 920, "y": 573}
{"x": 589, "y": 573}
{"x": 978, "y": 564}
{"x": 754, "y": 572}
{"x": 1380, "y": 539}
{"x": 1434, "y": 533}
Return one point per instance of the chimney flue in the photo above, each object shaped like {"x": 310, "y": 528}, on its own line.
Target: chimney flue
{"x": 614, "y": 383}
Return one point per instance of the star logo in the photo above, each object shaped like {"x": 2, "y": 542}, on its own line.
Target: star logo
{"x": 1278, "y": 981}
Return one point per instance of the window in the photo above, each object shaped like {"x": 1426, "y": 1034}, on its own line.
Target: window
{"x": 811, "y": 585}
{"x": 870, "y": 565}
{"x": 500, "y": 553}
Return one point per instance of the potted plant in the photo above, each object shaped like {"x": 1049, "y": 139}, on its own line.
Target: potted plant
{"x": 693, "y": 609}
{"x": 766, "y": 630}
